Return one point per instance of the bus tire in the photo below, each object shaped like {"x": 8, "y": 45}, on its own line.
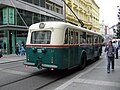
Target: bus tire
{"x": 83, "y": 61}
{"x": 98, "y": 57}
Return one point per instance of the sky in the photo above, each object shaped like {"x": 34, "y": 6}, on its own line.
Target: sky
{"x": 108, "y": 11}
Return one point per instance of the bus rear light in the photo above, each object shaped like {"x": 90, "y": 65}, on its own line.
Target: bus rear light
{"x": 52, "y": 69}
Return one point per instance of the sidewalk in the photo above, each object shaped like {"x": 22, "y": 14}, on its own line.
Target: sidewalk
{"x": 95, "y": 78}
{"x": 11, "y": 58}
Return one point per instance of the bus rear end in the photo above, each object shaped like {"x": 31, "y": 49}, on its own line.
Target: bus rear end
{"x": 43, "y": 48}
{"x": 38, "y": 52}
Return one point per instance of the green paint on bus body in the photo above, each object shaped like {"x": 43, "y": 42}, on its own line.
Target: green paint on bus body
{"x": 60, "y": 58}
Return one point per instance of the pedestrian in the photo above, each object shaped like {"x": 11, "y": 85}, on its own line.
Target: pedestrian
{"x": 22, "y": 50}
{"x": 110, "y": 56}
{"x": 17, "y": 49}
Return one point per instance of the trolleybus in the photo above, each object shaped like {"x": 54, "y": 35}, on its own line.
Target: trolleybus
{"x": 61, "y": 45}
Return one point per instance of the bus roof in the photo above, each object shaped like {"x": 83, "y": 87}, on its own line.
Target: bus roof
{"x": 59, "y": 24}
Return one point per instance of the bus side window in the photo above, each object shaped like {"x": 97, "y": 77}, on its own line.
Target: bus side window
{"x": 71, "y": 37}
{"x": 89, "y": 38}
{"x": 66, "y": 37}
{"x": 76, "y": 37}
{"x": 99, "y": 40}
{"x": 95, "y": 39}
{"x": 83, "y": 37}
{"x": 80, "y": 37}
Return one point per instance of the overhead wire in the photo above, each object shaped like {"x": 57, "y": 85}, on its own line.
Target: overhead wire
{"x": 80, "y": 21}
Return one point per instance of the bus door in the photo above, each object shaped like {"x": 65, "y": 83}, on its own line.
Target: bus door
{"x": 76, "y": 48}
{"x": 96, "y": 46}
{"x": 73, "y": 48}
{"x": 90, "y": 47}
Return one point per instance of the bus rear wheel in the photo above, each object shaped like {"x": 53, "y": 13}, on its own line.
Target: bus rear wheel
{"x": 83, "y": 61}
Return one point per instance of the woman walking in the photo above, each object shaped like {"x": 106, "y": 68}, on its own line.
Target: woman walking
{"x": 110, "y": 56}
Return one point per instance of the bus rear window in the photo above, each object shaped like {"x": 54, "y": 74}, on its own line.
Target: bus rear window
{"x": 41, "y": 37}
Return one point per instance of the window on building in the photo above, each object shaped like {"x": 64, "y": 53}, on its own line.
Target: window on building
{"x": 37, "y": 2}
{"x": 57, "y": 9}
{"x": 36, "y": 18}
{"x": 0, "y": 16}
{"x": 26, "y": 17}
{"x": 43, "y": 18}
{"x": 42, "y": 3}
{"x": 49, "y": 6}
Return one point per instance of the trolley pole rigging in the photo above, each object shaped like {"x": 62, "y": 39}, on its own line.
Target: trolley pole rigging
{"x": 80, "y": 21}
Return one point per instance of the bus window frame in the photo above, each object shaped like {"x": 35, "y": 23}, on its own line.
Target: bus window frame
{"x": 76, "y": 37}
{"x": 96, "y": 37}
{"x": 66, "y": 39}
{"x": 91, "y": 41}
{"x": 83, "y": 37}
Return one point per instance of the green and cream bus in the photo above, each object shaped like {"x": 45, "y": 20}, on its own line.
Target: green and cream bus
{"x": 61, "y": 45}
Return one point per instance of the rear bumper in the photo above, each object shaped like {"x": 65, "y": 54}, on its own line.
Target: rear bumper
{"x": 42, "y": 65}
{"x": 49, "y": 66}
{"x": 29, "y": 64}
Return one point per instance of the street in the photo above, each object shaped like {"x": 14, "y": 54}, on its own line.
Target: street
{"x": 15, "y": 76}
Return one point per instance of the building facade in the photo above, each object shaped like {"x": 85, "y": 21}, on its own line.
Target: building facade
{"x": 86, "y": 10}
{"x": 17, "y": 15}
